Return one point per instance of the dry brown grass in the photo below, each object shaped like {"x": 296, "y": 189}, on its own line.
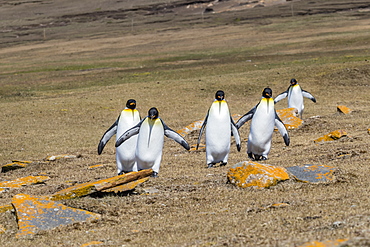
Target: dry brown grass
{"x": 60, "y": 95}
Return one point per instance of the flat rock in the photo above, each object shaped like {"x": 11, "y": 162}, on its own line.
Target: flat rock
{"x": 92, "y": 243}
{"x": 253, "y": 174}
{"x": 312, "y": 173}
{"x": 84, "y": 189}
{"x": 14, "y": 165}
{"x": 19, "y": 182}
{"x": 332, "y": 136}
{"x": 343, "y": 109}
{"x": 289, "y": 118}
{"x": 2, "y": 229}
{"x": 126, "y": 187}
{"x": 38, "y": 213}
{"x": 327, "y": 243}
{"x": 60, "y": 156}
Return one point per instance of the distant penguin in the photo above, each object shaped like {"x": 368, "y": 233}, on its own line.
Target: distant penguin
{"x": 125, "y": 154}
{"x": 220, "y": 125}
{"x": 295, "y": 96}
{"x": 150, "y": 131}
{"x": 264, "y": 119}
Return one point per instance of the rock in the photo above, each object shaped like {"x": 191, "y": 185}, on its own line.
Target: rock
{"x": 327, "y": 243}
{"x": 95, "y": 166}
{"x": 101, "y": 185}
{"x": 91, "y": 244}
{"x": 332, "y": 136}
{"x": 343, "y": 109}
{"x": 252, "y": 174}
{"x": 5, "y": 208}
{"x": 190, "y": 128}
{"x": 289, "y": 118}
{"x": 60, "y": 156}
{"x": 39, "y": 213}
{"x": 368, "y": 131}
{"x": 14, "y": 165}
{"x": 312, "y": 173}
{"x": 126, "y": 187}
{"x": 2, "y": 229}
{"x": 19, "y": 182}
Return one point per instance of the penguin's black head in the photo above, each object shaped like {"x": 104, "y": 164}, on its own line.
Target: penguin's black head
{"x": 293, "y": 82}
{"x": 220, "y": 95}
{"x": 267, "y": 93}
{"x": 131, "y": 104}
{"x": 153, "y": 113}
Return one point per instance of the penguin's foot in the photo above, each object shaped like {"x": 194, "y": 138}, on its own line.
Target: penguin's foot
{"x": 210, "y": 165}
{"x": 263, "y": 158}
{"x": 154, "y": 175}
{"x": 250, "y": 155}
{"x": 223, "y": 163}
{"x": 121, "y": 173}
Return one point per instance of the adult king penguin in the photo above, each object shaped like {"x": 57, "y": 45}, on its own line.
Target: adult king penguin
{"x": 125, "y": 154}
{"x": 295, "y": 96}
{"x": 264, "y": 119}
{"x": 220, "y": 125}
{"x": 150, "y": 131}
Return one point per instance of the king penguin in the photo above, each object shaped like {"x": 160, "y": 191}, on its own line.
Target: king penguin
{"x": 125, "y": 154}
{"x": 295, "y": 96}
{"x": 220, "y": 125}
{"x": 150, "y": 131}
{"x": 264, "y": 119}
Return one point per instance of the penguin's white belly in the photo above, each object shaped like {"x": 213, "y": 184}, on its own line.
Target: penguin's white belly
{"x": 149, "y": 144}
{"x": 218, "y": 133}
{"x": 261, "y": 130}
{"x": 125, "y": 153}
{"x": 295, "y": 99}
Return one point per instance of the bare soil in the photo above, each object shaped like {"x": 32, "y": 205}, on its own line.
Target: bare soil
{"x": 68, "y": 67}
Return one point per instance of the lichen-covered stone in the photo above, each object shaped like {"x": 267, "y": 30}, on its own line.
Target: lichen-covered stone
{"x": 327, "y": 243}
{"x": 5, "y": 208}
{"x": 289, "y": 118}
{"x": 343, "y": 109}
{"x": 13, "y": 166}
{"x": 92, "y": 243}
{"x": 126, "y": 187}
{"x": 332, "y": 136}
{"x": 253, "y": 174}
{"x": 39, "y": 213}
{"x": 100, "y": 185}
{"x": 312, "y": 173}
{"x": 95, "y": 166}
{"x": 19, "y": 182}
{"x": 2, "y": 229}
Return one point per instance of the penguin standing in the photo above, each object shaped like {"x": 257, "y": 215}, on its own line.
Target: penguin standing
{"x": 125, "y": 154}
{"x": 220, "y": 125}
{"x": 295, "y": 96}
{"x": 150, "y": 131}
{"x": 264, "y": 119}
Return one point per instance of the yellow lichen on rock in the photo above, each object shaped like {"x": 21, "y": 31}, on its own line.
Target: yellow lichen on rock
{"x": 343, "y": 109}
{"x": 289, "y": 118}
{"x": 332, "y": 136}
{"x": 253, "y": 174}
{"x": 327, "y": 243}
{"x": 92, "y": 243}
{"x": 19, "y": 182}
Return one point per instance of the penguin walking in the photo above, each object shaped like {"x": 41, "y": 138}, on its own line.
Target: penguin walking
{"x": 220, "y": 125}
{"x": 264, "y": 119}
{"x": 125, "y": 154}
{"x": 150, "y": 131}
{"x": 295, "y": 96}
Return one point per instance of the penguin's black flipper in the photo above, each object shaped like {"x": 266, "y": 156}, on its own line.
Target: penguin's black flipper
{"x": 235, "y": 132}
{"x": 168, "y": 132}
{"x": 107, "y": 135}
{"x": 129, "y": 133}
{"x": 248, "y": 116}
{"x": 308, "y": 95}
{"x": 201, "y": 130}
{"x": 281, "y": 96}
{"x": 283, "y": 131}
